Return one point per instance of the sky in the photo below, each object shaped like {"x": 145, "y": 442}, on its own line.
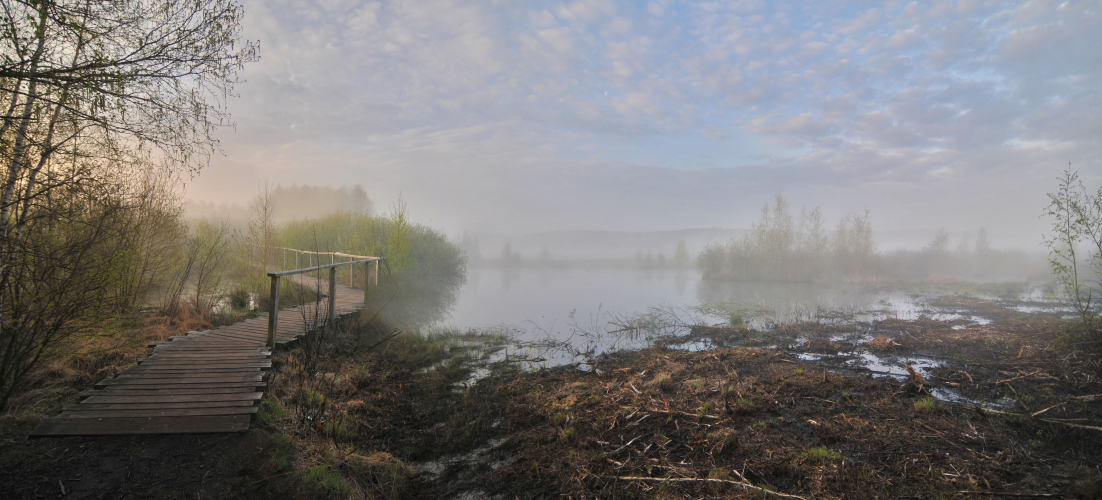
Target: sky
{"x": 520, "y": 117}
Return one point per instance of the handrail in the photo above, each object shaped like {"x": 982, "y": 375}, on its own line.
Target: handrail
{"x": 324, "y": 266}
{"x": 332, "y": 257}
{"x": 370, "y": 278}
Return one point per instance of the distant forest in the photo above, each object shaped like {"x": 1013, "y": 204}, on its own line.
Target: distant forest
{"x": 294, "y": 202}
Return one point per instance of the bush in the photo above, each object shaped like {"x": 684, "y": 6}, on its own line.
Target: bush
{"x": 784, "y": 247}
{"x": 1076, "y": 216}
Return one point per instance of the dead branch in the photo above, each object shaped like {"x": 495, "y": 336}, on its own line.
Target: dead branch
{"x": 1005, "y": 494}
{"x": 742, "y": 484}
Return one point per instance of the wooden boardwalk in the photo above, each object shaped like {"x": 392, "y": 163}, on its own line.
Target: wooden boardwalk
{"x": 204, "y": 382}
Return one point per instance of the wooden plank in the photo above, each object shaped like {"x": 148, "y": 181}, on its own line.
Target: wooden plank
{"x": 200, "y": 359}
{"x": 193, "y": 345}
{"x": 186, "y": 378}
{"x": 256, "y": 386}
{"x": 170, "y": 370}
{"x": 235, "y": 332}
{"x": 181, "y": 380}
{"x": 170, "y": 374}
{"x": 229, "y": 362}
{"x": 203, "y": 364}
{"x": 214, "y": 340}
{"x": 219, "y": 344}
{"x": 208, "y": 354}
{"x": 210, "y": 357}
{"x": 174, "y": 412}
{"x": 184, "y": 370}
{"x": 154, "y": 406}
{"x": 126, "y": 390}
{"x": 147, "y": 425}
{"x": 212, "y": 351}
{"x": 234, "y": 335}
{"x": 199, "y": 352}
{"x": 205, "y": 381}
{"x": 108, "y": 398}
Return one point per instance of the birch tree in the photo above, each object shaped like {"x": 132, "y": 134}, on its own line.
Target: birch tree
{"x": 91, "y": 93}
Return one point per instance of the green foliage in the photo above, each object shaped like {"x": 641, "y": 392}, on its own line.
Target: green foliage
{"x": 926, "y": 405}
{"x": 820, "y": 454}
{"x": 341, "y": 429}
{"x": 663, "y": 382}
{"x": 270, "y": 411}
{"x": 704, "y": 410}
{"x": 422, "y": 274}
{"x": 323, "y": 478}
{"x": 1076, "y": 217}
{"x": 782, "y": 246}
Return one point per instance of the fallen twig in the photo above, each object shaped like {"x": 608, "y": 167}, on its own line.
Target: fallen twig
{"x": 1006, "y": 494}
{"x": 618, "y": 450}
{"x": 1034, "y": 414}
{"x": 709, "y": 480}
{"x": 1050, "y": 420}
{"x": 997, "y": 382}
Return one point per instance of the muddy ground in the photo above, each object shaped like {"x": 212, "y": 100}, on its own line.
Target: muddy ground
{"x": 812, "y": 410}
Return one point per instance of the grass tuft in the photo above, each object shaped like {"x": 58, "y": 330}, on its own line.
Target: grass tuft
{"x": 926, "y": 405}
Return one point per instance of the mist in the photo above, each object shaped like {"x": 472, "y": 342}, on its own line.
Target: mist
{"x": 645, "y": 142}
{"x": 617, "y": 116}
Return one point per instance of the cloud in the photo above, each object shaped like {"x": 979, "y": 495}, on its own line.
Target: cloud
{"x": 677, "y": 104}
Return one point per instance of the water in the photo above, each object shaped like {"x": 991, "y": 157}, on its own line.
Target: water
{"x": 578, "y": 311}
{"x": 538, "y": 300}
{"x": 537, "y": 303}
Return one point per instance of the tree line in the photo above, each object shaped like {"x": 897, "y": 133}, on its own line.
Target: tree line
{"x": 786, "y": 246}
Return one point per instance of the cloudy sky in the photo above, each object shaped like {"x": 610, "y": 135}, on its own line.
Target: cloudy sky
{"x": 596, "y": 114}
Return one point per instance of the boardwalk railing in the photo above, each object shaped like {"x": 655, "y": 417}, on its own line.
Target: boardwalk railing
{"x": 371, "y": 278}
{"x": 316, "y": 258}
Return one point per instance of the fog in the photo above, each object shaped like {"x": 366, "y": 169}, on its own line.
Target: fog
{"x": 605, "y": 133}
{"x": 625, "y": 116}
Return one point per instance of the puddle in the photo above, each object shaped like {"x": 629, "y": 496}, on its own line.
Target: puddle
{"x": 953, "y": 396}
{"x": 433, "y": 469}
{"x": 693, "y": 346}
{"x": 892, "y": 366}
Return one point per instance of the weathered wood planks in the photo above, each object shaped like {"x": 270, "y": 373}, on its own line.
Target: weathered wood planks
{"x": 196, "y": 383}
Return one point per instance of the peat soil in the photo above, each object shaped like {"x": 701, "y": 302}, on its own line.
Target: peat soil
{"x": 810, "y": 410}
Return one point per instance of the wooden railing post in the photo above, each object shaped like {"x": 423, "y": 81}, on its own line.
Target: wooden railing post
{"x": 367, "y": 271}
{"x": 273, "y": 313}
{"x": 332, "y": 295}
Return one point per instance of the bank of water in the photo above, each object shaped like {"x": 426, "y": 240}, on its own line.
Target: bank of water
{"x": 569, "y": 314}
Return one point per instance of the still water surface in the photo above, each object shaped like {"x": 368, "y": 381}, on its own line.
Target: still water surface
{"x": 535, "y": 299}
{"x": 539, "y": 302}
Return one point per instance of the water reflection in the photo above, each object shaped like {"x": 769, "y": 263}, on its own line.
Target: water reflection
{"x": 541, "y": 302}
{"x": 538, "y": 300}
